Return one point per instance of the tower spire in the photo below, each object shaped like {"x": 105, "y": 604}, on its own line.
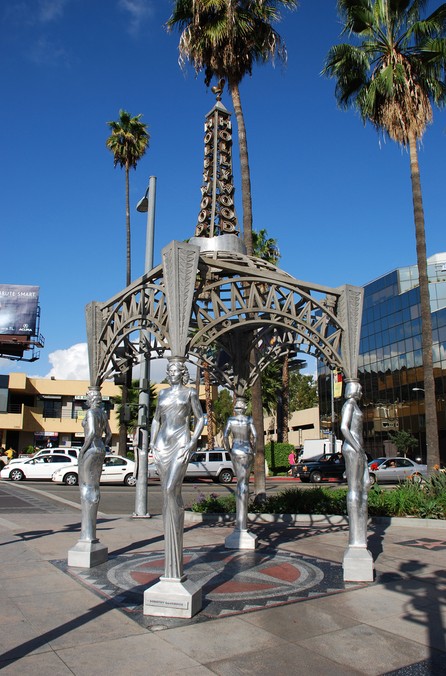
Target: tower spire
{"x": 217, "y": 213}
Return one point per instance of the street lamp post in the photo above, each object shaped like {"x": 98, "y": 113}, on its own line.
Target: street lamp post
{"x": 146, "y": 204}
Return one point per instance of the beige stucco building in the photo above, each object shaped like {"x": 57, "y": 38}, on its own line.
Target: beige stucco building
{"x": 302, "y": 425}
{"x": 39, "y": 411}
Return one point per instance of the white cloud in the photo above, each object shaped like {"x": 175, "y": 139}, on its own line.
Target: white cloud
{"x": 138, "y": 10}
{"x": 50, "y": 10}
{"x": 70, "y": 364}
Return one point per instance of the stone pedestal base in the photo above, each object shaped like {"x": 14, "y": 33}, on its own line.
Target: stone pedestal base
{"x": 173, "y": 598}
{"x": 358, "y": 565}
{"x": 86, "y": 554}
{"x": 241, "y": 539}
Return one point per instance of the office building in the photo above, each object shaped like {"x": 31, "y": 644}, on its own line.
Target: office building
{"x": 390, "y": 359}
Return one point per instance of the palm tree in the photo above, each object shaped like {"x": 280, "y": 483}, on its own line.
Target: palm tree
{"x": 128, "y": 142}
{"x": 392, "y": 75}
{"x": 265, "y": 247}
{"x": 226, "y": 38}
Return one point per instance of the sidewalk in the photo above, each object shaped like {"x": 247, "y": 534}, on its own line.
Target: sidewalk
{"x": 59, "y": 622}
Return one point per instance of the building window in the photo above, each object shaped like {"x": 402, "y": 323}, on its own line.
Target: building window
{"x": 52, "y": 408}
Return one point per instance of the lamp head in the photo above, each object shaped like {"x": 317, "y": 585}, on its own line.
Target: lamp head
{"x": 143, "y": 204}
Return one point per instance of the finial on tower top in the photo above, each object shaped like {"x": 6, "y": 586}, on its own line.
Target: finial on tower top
{"x": 218, "y": 89}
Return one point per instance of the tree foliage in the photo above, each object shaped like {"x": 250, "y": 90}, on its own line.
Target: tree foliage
{"x": 303, "y": 391}
{"x": 397, "y": 69}
{"x": 403, "y": 441}
{"x": 265, "y": 247}
{"x": 223, "y": 408}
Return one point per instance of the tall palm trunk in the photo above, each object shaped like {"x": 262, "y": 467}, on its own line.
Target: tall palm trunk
{"x": 285, "y": 397}
{"x": 128, "y": 375}
{"x": 127, "y": 227}
{"x": 256, "y": 393}
{"x": 244, "y": 168}
{"x": 209, "y": 411}
{"x": 432, "y": 450}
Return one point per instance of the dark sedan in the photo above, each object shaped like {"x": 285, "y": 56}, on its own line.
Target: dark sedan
{"x": 329, "y": 466}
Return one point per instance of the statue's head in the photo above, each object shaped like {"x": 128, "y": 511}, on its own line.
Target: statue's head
{"x": 353, "y": 389}
{"x": 94, "y": 397}
{"x": 240, "y": 406}
{"x": 177, "y": 371}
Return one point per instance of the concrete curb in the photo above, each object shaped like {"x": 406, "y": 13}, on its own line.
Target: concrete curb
{"x": 307, "y": 519}
{"x": 318, "y": 519}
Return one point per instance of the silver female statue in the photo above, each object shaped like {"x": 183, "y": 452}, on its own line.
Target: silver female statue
{"x": 244, "y": 437}
{"x": 356, "y": 465}
{"x": 91, "y": 459}
{"x": 172, "y": 445}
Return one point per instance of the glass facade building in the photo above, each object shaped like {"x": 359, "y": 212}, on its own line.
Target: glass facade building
{"x": 390, "y": 359}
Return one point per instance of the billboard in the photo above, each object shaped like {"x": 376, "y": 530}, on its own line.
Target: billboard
{"x": 18, "y": 309}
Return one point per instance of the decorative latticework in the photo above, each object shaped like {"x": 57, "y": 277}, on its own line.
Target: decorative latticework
{"x": 239, "y": 304}
{"x": 114, "y": 327}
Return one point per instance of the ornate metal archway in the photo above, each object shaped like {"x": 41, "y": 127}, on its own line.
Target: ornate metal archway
{"x": 239, "y": 303}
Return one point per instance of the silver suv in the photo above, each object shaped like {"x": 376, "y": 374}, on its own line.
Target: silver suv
{"x": 215, "y": 465}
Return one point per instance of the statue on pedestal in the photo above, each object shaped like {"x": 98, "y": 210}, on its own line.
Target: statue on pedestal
{"x": 89, "y": 552}
{"x": 172, "y": 445}
{"x": 241, "y": 428}
{"x": 91, "y": 459}
{"x": 358, "y": 562}
{"x": 356, "y": 465}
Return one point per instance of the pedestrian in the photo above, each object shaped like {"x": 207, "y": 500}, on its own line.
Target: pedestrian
{"x": 292, "y": 462}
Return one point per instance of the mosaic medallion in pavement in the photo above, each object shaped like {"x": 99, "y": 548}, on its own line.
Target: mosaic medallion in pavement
{"x": 233, "y": 582}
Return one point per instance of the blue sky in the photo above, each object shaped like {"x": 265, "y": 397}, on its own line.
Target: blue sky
{"x": 336, "y": 198}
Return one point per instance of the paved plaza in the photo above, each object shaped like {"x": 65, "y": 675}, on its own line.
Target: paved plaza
{"x": 281, "y": 609}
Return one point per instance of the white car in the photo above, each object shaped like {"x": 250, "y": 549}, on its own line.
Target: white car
{"x": 116, "y": 469}
{"x": 216, "y": 465}
{"x": 62, "y": 450}
{"x": 41, "y": 467}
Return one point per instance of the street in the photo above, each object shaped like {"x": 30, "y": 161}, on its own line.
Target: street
{"x": 119, "y": 499}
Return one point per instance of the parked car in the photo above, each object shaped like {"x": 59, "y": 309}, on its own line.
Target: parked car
{"x": 152, "y": 472}
{"x": 60, "y": 450}
{"x": 41, "y": 467}
{"x": 215, "y": 465}
{"x": 326, "y": 466}
{"x": 116, "y": 469}
{"x": 393, "y": 470}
